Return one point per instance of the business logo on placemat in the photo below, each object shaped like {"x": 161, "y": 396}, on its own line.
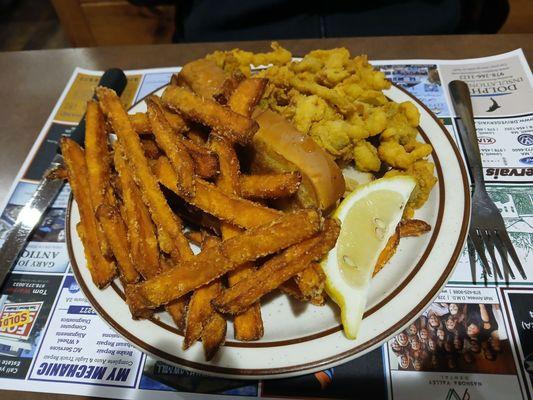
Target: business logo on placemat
{"x": 525, "y": 139}
{"x": 17, "y": 319}
{"x": 453, "y": 395}
{"x": 527, "y": 160}
{"x": 486, "y": 140}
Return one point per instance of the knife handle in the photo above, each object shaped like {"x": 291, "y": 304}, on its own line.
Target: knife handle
{"x": 112, "y": 78}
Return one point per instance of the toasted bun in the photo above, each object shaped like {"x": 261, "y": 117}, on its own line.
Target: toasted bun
{"x": 279, "y": 147}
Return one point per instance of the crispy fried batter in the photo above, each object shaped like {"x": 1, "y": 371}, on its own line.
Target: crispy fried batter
{"x": 241, "y": 60}
{"x": 222, "y": 120}
{"x": 141, "y": 230}
{"x": 102, "y": 271}
{"x": 212, "y": 200}
{"x": 269, "y": 186}
{"x": 344, "y": 105}
{"x": 277, "y": 270}
{"x": 387, "y": 253}
{"x": 246, "y": 96}
{"x": 413, "y": 227}
{"x": 175, "y": 151}
{"x": 258, "y": 242}
{"x": 163, "y": 216}
{"x": 116, "y": 234}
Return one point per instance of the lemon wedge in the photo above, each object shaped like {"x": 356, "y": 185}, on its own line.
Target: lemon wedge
{"x": 369, "y": 216}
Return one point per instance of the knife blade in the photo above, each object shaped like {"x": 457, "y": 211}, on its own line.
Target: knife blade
{"x": 48, "y": 189}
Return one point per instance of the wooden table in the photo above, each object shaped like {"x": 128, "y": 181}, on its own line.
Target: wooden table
{"x": 32, "y": 81}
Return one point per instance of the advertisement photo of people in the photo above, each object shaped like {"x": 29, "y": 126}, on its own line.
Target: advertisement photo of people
{"x": 455, "y": 337}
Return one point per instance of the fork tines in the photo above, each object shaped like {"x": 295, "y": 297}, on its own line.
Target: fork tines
{"x": 488, "y": 239}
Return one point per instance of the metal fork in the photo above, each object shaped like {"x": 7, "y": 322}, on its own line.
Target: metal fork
{"x": 487, "y": 229}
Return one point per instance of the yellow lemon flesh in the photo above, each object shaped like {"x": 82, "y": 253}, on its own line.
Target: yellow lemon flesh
{"x": 369, "y": 216}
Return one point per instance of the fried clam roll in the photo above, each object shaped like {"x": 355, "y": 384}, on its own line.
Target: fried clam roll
{"x": 215, "y": 261}
{"x": 175, "y": 151}
{"x": 97, "y": 159}
{"x": 165, "y": 220}
{"x": 212, "y": 200}
{"x": 269, "y": 186}
{"x": 224, "y": 122}
{"x": 248, "y": 325}
{"x": 102, "y": 270}
{"x": 280, "y": 268}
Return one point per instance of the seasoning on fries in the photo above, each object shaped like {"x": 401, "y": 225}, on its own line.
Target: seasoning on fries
{"x": 277, "y": 270}
{"x": 223, "y": 121}
{"x": 103, "y": 271}
{"x": 163, "y": 216}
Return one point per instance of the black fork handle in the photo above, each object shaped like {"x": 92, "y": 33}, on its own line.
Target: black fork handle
{"x": 462, "y": 104}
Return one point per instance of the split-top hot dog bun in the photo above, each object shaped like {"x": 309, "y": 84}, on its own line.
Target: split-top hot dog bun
{"x": 279, "y": 147}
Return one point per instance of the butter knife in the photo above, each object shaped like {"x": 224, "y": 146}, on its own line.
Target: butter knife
{"x": 31, "y": 214}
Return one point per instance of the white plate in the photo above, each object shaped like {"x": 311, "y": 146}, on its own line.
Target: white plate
{"x": 302, "y": 338}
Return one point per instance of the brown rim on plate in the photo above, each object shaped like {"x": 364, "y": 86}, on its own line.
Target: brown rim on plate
{"x": 337, "y": 358}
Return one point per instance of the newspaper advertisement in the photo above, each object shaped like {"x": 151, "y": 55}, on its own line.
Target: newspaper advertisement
{"x": 458, "y": 345}
{"x": 473, "y": 341}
